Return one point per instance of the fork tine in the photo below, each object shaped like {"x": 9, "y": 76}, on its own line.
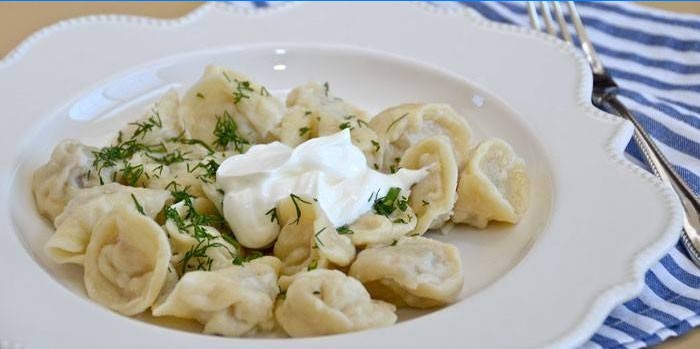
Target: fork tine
{"x": 547, "y": 16}
{"x": 563, "y": 26}
{"x": 532, "y": 11}
{"x": 586, "y": 43}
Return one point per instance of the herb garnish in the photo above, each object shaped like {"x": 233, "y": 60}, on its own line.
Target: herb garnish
{"x": 313, "y": 265}
{"x": 138, "y": 205}
{"x": 264, "y": 92}
{"x": 326, "y": 88}
{"x": 294, "y": 198}
{"x": 344, "y": 230}
{"x": 346, "y": 125}
{"x": 131, "y": 174}
{"x": 376, "y": 145}
{"x": 303, "y": 131}
{"x": 200, "y": 95}
{"x": 425, "y": 203}
{"x": 387, "y": 204}
{"x": 209, "y": 166}
{"x": 318, "y": 240}
{"x": 396, "y": 121}
{"x": 144, "y": 127}
{"x": 226, "y": 131}
{"x": 273, "y": 214}
{"x": 242, "y": 87}
{"x": 253, "y": 255}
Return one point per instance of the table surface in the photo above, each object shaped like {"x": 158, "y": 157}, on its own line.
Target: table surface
{"x": 19, "y": 20}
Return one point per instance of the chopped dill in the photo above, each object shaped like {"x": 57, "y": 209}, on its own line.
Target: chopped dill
{"x": 326, "y": 88}
{"x": 376, "y": 145}
{"x": 169, "y": 158}
{"x": 393, "y": 243}
{"x": 344, "y": 230}
{"x": 303, "y": 131}
{"x": 273, "y": 214}
{"x": 242, "y": 88}
{"x": 425, "y": 203}
{"x": 264, "y": 92}
{"x": 295, "y": 200}
{"x": 253, "y": 255}
{"x": 313, "y": 265}
{"x": 387, "y": 204}
{"x": 396, "y": 121}
{"x": 182, "y": 140}
{"x": 144, "y": 127}
{"x": 226, "y": 131}
{"x": 346, "y": 125}
{"x": 318, "y": 240}
{"x": 131, "y": 174}
{"x": 362, "y": 123}
{"x": 200, "y": 95}
{"x": 209, "y": 166}
{"x": 138, "y": 205}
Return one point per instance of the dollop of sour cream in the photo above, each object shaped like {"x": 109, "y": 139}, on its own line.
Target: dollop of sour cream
{"x": 329, "y": 169}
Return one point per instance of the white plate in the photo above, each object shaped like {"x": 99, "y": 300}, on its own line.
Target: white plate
{"x": 595, "y": 225}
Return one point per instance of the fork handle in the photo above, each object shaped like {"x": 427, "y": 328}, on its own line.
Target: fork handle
{"x": 664, "y": 170}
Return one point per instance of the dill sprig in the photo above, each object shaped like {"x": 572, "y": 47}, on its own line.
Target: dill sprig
{"x": 273, "y": 214}
{"x": 396, "y": 121}
{"x": 345, "y": 125}
{"x": 190, "y": 141}
{"x": 344, "y": 230}
{"x": 390, "y": 202}
{"x": 110, "y": 156}
{"x": 242, "y": 90}
{"x": 317, "y": 238}
{"x": 239, "y": 260}
{"x": 138, "y": 205}
{"x": 226, "y": 131}
{"x": 169, "y": 158}
{"x": 303, "y": 131}
{"x": 209, "y": 168}
{"x": 295, "y": 200}
{"x": 376, "y": 145}
{"x": 131, "y": 174}
{"x": 144, "y": 127}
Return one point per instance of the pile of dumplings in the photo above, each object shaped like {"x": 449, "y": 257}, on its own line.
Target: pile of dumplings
{"x": 143, "y": 216}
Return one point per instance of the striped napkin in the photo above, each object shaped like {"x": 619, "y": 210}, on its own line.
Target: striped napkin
{"x": 655, "y": 58}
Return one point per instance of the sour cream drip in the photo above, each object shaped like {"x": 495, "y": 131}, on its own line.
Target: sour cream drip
{"x": 330, "y": 169}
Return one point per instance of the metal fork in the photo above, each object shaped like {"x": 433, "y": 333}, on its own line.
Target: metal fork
{"x": 605, "y": 97}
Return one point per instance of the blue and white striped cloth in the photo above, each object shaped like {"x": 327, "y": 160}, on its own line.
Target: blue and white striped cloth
{"x": 655, "y": 58}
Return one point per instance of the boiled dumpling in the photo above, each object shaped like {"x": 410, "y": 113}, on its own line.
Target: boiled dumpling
{"x": 405, "y": 125}
{"x": 68, "y": 171}
{"x": 314, "y": 112}
{"x": 75, "y": 225}
{"x": 201, "y": 248}
{"x": 158, "y": 125}
{"x": 322, "y": 302}
{"x": 493, "y": 186}
{"x": 326, "y": 113}
{"x": 245, "y": 111}
{"x": 373, "y": 228}
{"x": 308, "y": 239}
{"x": 433, "y": 198}
{"x": 414, "y": 271}
{"x": 126, "y": 262}
{"x": 235, "y": 301}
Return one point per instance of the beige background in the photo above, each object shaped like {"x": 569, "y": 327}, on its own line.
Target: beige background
{"x": 18, "y": 20}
